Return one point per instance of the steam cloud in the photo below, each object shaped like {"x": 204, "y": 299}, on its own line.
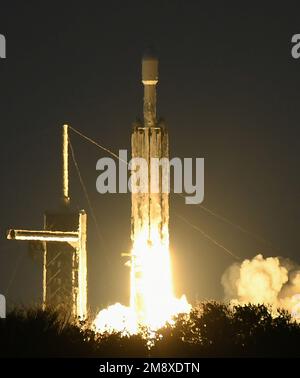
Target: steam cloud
{"x": 271, "y": 280}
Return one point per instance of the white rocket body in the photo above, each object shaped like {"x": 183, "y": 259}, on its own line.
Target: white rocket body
{"x": 149, "y": 211}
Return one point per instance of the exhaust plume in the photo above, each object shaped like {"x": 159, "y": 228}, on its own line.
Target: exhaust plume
{"x": 273, "y": 281}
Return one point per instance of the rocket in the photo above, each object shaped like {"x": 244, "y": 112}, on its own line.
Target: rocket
{"x": 149, "y": 211}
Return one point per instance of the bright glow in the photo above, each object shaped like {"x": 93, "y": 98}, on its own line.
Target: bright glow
{"x": 116, "y": 318}
{"x": 152, "y": 297}
{"x": 152, "y": 302}
{"x": 272, "y": 280}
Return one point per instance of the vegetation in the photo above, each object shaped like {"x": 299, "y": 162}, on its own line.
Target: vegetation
{"x": 211, "y": 330}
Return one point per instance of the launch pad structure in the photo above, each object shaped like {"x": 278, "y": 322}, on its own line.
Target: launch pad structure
{"x": 64, "y": 250}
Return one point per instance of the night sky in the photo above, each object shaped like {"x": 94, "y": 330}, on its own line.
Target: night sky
{"x": 229, "y": 91}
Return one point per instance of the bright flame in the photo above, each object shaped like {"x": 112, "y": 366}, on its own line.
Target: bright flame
{"x": 152, "y": 297}
{"x": 116, "y": 318}
{"x": 152, "y": 301}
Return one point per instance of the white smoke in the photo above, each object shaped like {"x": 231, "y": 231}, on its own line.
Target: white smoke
{"x": 272, "y": 280}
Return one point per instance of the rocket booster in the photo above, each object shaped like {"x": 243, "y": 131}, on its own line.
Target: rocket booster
{"x": 150, "y": 211}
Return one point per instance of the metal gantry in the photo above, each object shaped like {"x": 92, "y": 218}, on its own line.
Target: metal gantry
{"x": 64, "y": 247}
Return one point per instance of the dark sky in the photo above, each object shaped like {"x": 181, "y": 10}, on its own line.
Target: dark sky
{"x": 229, "y": 91}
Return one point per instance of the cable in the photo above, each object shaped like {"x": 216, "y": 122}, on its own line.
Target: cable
{"x": 14, "y": 272}
{"x": 207, "y": 236}
{"x": 97, "y": 144}
{"x": 240, "y": 228}
{"x": 86, "y": 193}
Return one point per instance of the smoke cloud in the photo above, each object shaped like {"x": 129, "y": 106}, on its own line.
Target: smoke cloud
{"x": 273, "y": 281}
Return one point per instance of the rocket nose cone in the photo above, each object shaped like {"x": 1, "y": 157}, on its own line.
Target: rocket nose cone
{"x": 150, "y": 54}
{"x": 149, "y": 67}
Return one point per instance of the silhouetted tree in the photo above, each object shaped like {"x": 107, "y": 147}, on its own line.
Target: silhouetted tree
{"x": 211, "y": 330}
{"x": 218, "y": 330}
